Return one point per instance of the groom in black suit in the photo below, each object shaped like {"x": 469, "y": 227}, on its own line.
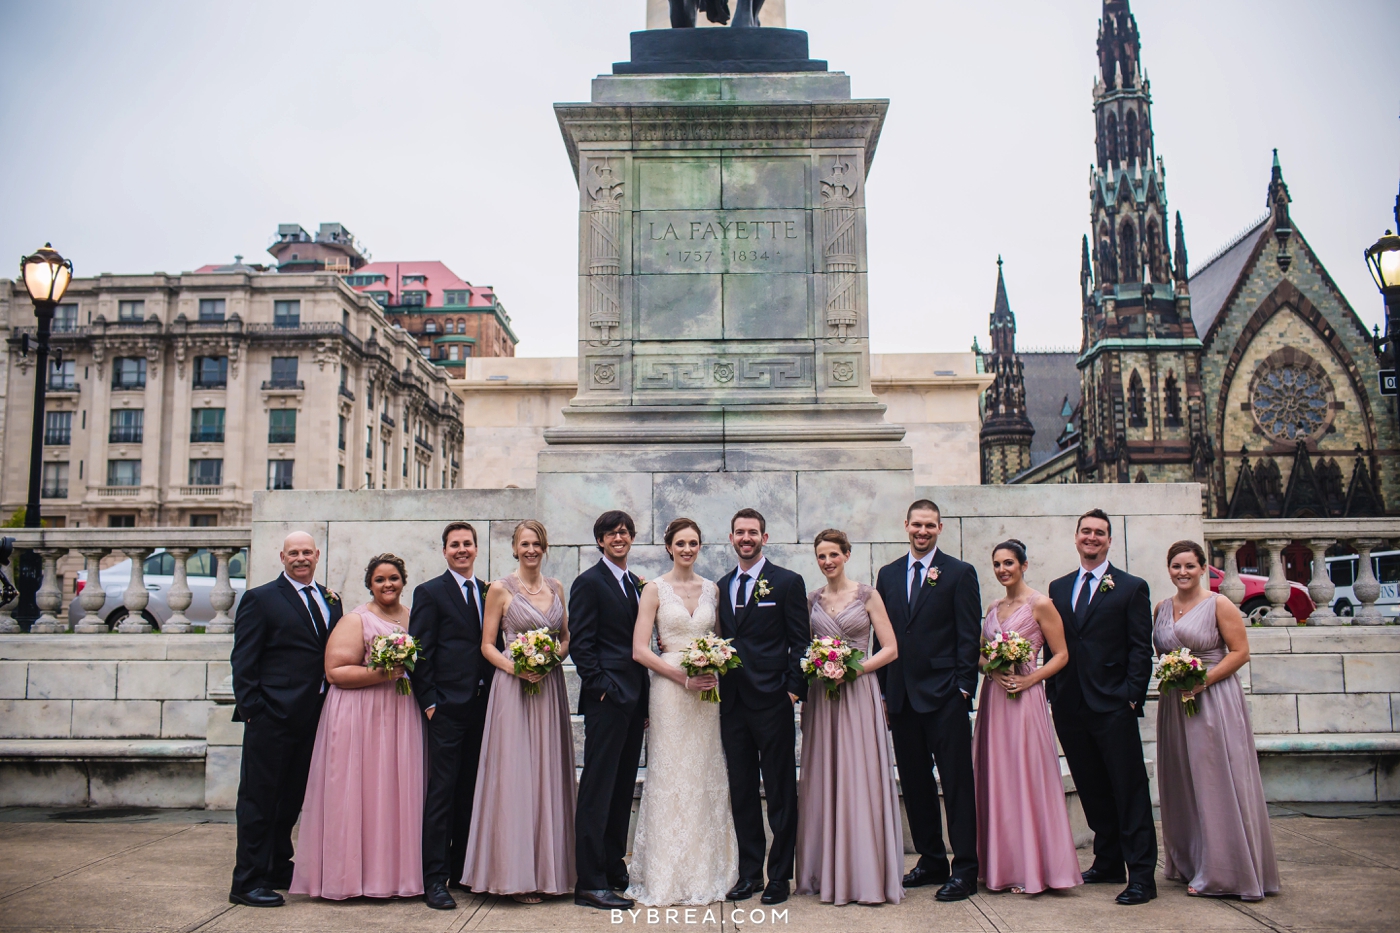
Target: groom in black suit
{"x": 452, "y": 684}
{"x": 279, "y": 684}
{"x": 613, "y": 702}
{"x": 764, "y": 609}
{"x": 1097, "y": 701}
{"x": 935, "y": 608}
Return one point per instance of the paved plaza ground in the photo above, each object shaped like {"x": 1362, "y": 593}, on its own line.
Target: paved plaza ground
{"x": 147, "y": 871}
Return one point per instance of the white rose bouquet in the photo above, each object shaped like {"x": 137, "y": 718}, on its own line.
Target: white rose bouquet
{"x": 387, "y": 652}
{"x": 709, "y": 654}
{"x": 1005, "y": 652}
{"x": 1181, "y": 670}
{"x": 534, "y": 652}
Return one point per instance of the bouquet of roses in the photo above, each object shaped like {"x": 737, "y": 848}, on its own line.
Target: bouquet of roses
{"x": 387, "y": 652}
{"x": 1005, "y": 652}
{"x": 709, "y": 654}
{"x": 833, "y": 660}
{"x": 534, "y": 652}
{"x": 1181, "y": 670}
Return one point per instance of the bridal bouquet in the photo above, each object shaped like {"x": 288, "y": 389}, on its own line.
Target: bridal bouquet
{"x": 387, "y": 652}
{"x": 834, "y": 661}
{"x": 1181, "y": 670}
{"x": 709, "y": 654}
{"x": 534, "y": 652}
{"x": 1005, "y": 652}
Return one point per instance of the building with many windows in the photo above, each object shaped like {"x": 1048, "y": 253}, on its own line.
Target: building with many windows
{"x": 178, "y": 396}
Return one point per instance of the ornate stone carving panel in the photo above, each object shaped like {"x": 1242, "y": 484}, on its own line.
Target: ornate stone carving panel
{"x": 604, "y": 187}
{"x": 726, "y": 372}
{"x": 841, "y": 244}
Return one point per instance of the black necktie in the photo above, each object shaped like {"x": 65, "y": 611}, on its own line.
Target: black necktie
{"x": 1081, "y": 602}
{"x": 316, "y": 617}
{"x": 473, "y": 615}
{"x": 917, "y": 581}
{"x": 741, "y": 598}
{"x": 629, "y": 589}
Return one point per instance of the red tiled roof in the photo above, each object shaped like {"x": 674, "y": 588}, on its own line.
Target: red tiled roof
{"x": 439, "y": 279}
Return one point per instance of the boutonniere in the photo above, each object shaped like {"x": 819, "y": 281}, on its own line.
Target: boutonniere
{"x": 763, "y": 589}
{"x": 933, "y": 574}
{"x": 332, "y": 597}
{"x": 639, "y": 581}
{"x": 1106, "y": 583}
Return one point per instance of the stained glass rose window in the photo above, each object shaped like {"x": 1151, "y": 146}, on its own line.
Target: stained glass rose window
{"x": 1290, "y": 402}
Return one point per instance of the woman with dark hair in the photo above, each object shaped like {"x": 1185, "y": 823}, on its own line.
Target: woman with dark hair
{"x": 522, "y": 833}
{"x": 1024, "y": 843}
{"x": 1215, "y": 822}
{"x": 850, "y": 844}
{"x": 361, "y": 823}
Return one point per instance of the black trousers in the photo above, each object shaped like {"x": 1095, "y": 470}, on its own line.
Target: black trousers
{"x": 941, "y": 737}
{"x": 612, "y": 749}
{"x": 271, "y": 786}
{"x": 762, "y": 741}
{"x": 454, "y": 748}
{"x": 1104, "y": 753}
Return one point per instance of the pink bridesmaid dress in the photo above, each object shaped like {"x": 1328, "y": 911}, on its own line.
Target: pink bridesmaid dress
{"x": 362, "y": 821}
{"x": 1023, "y": 834}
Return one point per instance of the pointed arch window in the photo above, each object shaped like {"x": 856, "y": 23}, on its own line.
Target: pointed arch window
{"x": 1154, "y": 253}
{"x": 1137, "y": 401}
{"x": 1172, "y": 400}
{"x": 1131, "y": 124}
{"x": 1107, "y": 271}
{"x": 1110, "y": 132}
{"x": 1132, "y": 265}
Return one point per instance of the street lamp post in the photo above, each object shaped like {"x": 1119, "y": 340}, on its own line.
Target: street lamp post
{"x": 1383, "y": 259}
{"x": 46, "y": 275}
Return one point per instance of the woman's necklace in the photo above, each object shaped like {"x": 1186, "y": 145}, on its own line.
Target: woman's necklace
{"x": 527, "y": 589}
{"x": 1181, "y": 612}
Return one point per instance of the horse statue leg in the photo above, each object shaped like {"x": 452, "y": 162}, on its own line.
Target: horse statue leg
{"x": 746, "y": 13}
{"x": 683, "y": 14}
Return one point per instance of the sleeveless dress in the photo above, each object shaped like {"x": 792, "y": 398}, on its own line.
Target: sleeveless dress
{"x": 1023, "y": 834}
{"x": 1215, "y": 822}
{"x": 684, "y": 851}
{"x": 362, "y": 820}
{"x": 850, "y": 840}
{"x": 522, "y": 831}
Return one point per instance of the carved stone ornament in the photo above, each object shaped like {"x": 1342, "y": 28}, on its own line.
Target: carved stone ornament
{"x": 605, "y": 374}
{"x": 843, "y": 370}
{"x": 605, "y": 190}
{"x": 724, "y": 372}
{"x": 839, "y": 246}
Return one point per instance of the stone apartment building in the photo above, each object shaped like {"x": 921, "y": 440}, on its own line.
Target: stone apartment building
{"x": 178, "y": 396}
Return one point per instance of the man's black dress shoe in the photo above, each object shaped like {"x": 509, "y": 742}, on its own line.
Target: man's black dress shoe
{"x": 258, "y": 897}
{"x": 602, "y": 899}
{"x": 956, "y": 890}
{"x": 775, "y": 893}
{"x": 744, "y": 890}
{"x": 922, "y": 874}
{"x": 1099, "y": 876}
{"x": 1137, "y": 892}
{"x": 619, "y": 884}
{"x": 437, "y": 897}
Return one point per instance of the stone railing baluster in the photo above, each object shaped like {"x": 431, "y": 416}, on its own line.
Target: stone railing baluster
{"x": 1367, "y": 588}
{"x": 221, "y": 596}
{"x": 1320, "y": 587}
{"x": 179, "y": 597}
{"x": 49, "y": 597}
{"x": 1231, "y": 587}
{"x": 136, "y": 598}
{"x": 93, "y": 596}
{"x": 1277, "y": 590}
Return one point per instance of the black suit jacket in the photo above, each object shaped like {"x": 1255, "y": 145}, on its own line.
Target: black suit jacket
{"x": 279, "y": 660}
{"x": 601, "y": 622}
{"x": 938, "y": 636}
{"x": 771, "y": 634}
{"x": 1110, "y": 652}
{"x": 449, "y": 647}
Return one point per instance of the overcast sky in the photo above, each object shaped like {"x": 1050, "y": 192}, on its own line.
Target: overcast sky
{"x": 147, "y": 136}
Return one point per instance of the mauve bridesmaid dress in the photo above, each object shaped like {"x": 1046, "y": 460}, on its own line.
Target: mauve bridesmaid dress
{"x": 1023, "y": 834}
{"x": 522, "y": 833}
{"x": 362, "y": 821}
{"x": 850, "y": 843}
{"x": 1215, "y": 821}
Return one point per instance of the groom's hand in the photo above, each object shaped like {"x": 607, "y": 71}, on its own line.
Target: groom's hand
{"x": 793, "y": 698}
{"x": 429, "y": 711}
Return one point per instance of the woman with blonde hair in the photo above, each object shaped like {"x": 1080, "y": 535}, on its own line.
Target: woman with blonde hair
{"x": 522, "y": 833}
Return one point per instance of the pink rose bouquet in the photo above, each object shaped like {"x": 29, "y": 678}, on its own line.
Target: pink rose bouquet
{"x": 1181, "y": 670}
{"x": 833, "y": 661}
{"x": 1006, "y": 652}
{"x": 534, "y": 652}
{"x": 387, "y": 652}
{"x": 709, "y": 654}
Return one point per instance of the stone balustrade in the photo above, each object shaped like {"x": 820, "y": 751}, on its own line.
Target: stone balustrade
{"x": 93, "y": 544}
{"x": 1271, "y": 535}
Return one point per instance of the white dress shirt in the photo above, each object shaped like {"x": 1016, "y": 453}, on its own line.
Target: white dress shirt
{"x": 618, "y": 573}
{"x": 1097, "y": 573}
{"x": 754, "y": 572}
{"x": 476, "y": 591}
{"x": 316, "y": 594}
{"x": 926, "y": 560}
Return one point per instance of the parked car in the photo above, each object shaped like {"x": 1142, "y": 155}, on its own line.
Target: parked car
{"x": 1256, "y": 605}
{"x": 1385, "y": 565}
{"x": 159, "y": 574}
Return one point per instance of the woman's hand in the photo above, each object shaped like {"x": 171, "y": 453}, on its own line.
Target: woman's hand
{"x": 394, "y": 673}
{"x": 701, "y": 682}
{"x": 1012, "y": 682}
{"x": 533, "y": 677}
{"x": 1194, "y": 692}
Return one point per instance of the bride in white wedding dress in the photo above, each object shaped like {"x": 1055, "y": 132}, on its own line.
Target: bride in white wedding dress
{"x": 684, "y": 852}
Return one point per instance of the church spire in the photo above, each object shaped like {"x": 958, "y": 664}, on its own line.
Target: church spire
{"x": 1281, "y": 223}
{"x": 1181, "y": 274}
{"x": 1007, "y": 432}
{"x": 1003, "y": 321}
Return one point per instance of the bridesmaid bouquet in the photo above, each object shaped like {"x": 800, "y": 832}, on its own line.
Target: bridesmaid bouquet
{"x": 834, "y": 661}
{"x": 534, "y": 652}
{"x": 1005, "y": 652}
{"x": 709, "y": 654}
{"x": 1181, "y": 670}
{"x": 387, "y": 652}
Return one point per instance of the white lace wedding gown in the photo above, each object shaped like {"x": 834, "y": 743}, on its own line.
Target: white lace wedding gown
{"x": 684, "y": 852}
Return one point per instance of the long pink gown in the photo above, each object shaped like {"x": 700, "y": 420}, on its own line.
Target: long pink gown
{"x": 1023, "y": 834}
{"x": 1215, "y": 821}
{"x": 362, "y": 820}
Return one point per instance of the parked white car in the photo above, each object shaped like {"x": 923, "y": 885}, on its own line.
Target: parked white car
{"x": 1385, "y": 565}
{"x": 159, "y": 574}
